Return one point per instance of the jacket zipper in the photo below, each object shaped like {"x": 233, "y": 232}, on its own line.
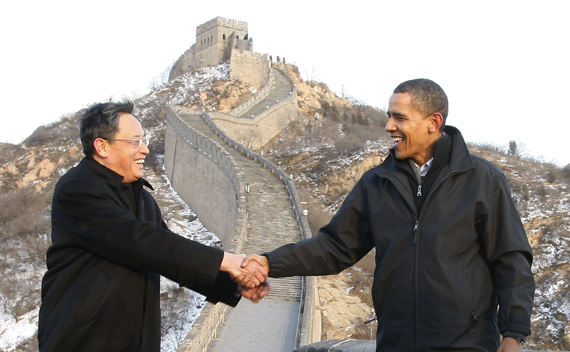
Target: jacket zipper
{"x": 416, "y": 260}
{"x": 416, "y": 227}
{"x": 416, "y": 289}
{"x": 474, "y": 319}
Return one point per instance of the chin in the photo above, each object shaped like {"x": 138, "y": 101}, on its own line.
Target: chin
{"x": 399, "y": 156}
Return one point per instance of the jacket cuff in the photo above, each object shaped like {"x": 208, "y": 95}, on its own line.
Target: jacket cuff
{"x": 516, "y": 335}
{"x": 224, "y": 290}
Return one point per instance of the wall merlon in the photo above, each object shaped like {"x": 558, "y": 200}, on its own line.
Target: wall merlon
{"x": 232, "y": 23}
{"x": 221, "y": 21}
{"x": 250, "y": 55}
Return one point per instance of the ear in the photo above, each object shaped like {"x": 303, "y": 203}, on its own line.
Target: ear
{"x": 101, "y": 146}
{"x": 436, "y": 121}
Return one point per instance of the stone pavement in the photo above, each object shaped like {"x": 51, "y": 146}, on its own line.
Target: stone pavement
{"x": 281, "y": 90}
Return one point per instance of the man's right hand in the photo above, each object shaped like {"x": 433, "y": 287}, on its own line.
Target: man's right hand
{"x": 250, "y": 277}
{"x": 254, "y": 259}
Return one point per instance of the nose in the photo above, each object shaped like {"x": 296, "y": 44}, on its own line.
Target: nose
{"x": 390, "y": 126}
{"x": 144, "y": 148}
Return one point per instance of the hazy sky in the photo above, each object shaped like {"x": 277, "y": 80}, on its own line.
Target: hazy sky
{"x": 504, "y": 64}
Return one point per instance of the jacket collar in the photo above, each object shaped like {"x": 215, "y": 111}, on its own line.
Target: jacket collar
{"x": 459, "y": 156}
{"x": 109, "y": 176}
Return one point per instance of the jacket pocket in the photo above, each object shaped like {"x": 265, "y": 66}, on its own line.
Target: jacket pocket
{"x": 470, "y": 293}
{"x": 471, "y": 306}
{"x": 94, "y": 296}
{"x": 480, "y": 292}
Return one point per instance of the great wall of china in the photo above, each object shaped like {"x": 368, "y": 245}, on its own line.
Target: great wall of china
{"x": 234, "y": 192}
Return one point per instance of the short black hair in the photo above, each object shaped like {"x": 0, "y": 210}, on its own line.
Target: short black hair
{"x": 101, "y": 120}
{"x": 426, "y": 96}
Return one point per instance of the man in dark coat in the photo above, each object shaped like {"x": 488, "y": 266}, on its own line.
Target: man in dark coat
{"x": 453, "y": 263}
{"x": 101, "y": 290}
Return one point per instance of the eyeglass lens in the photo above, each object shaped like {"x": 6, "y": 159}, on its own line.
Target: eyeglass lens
{"x": 138, "y": 141}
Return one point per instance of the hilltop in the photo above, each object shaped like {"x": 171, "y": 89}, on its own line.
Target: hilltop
{"x": 325, "y": 150}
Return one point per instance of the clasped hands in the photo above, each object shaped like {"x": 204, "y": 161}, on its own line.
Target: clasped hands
{"x": 250, "y": 273}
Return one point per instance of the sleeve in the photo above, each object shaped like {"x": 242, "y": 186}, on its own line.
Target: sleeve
{"x": 337, "y": 246}
{"x": 510, "y": 257}
{"x": 96, "y": 221}
{"x": 224, "y": 290}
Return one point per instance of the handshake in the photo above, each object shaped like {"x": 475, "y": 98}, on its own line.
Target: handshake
{"x": 250, "y": 273}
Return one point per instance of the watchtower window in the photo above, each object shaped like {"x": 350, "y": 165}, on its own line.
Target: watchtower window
{"x": 224, "y": 37}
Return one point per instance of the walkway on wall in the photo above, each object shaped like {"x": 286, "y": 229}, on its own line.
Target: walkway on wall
{"x": 272, "y": 324}
{"x": 281, "y": 90}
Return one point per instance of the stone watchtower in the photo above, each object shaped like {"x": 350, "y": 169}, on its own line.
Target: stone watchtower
{"x": 216, "y": 40}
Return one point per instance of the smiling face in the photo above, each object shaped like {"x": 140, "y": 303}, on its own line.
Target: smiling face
{"x": 413, "y": 133}
{"x": 121, "y": 156}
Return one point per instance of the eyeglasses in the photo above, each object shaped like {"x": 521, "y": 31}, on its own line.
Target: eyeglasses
{"x": 136, "y": 142}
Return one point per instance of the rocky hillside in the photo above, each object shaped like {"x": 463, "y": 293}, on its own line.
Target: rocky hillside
{"x": 333, "y": 141}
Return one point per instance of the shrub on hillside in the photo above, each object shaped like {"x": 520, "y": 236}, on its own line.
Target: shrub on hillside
{"x": 566, "y": 173}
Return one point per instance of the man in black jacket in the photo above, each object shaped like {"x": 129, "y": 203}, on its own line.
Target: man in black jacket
{"x": 453, "y": 263}
{"x": 102, "y": 288}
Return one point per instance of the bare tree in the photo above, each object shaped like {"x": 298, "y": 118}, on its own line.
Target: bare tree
{"x": 311, "y": 76}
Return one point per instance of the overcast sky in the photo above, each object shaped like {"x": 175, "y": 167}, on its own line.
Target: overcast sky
{"x": 503, "y": 64}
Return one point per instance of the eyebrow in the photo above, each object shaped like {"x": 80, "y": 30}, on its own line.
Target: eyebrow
{"x": 395, "y": 114}
{"x": 136, "y": 135}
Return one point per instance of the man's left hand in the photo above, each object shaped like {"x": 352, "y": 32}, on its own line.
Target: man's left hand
{"x": 256, "y": 294}
{"x": 509, "y": 345}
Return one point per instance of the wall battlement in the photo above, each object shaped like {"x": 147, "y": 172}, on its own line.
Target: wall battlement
{"x": 222, "y": 22}
{"x": 258, "y": 57}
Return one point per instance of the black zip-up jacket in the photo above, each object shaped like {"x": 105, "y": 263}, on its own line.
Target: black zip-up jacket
{"x": 441, "y": 273}
{"x": 101, "y": 291}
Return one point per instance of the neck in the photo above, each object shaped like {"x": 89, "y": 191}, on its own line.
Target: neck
{"x": 430, "y": 150}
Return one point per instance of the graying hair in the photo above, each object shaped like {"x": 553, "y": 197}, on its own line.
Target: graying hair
{"x": 101, "y": 120}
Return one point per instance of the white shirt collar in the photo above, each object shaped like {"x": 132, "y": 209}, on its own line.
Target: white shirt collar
{"x": 425, "y": 167}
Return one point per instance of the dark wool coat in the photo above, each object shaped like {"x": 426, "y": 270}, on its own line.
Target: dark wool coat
{"x": 102, "y": 288}
{"x": 441, "y": 272}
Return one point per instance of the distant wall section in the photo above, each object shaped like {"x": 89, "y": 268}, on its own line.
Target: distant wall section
{"x": 269, "y": 116}
{"x": 248, "y": 131}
